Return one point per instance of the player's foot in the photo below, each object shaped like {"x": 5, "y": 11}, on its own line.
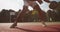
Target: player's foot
{"x": 13, "y": 26}
{"x": 44, "y": 25}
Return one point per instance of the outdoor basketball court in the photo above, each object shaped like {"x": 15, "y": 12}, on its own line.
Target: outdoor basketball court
{"x": 31, "y": 27}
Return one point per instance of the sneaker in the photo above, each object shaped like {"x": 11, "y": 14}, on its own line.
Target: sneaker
{"x": 13, "y": 26}
{"x": 44, "y": 25}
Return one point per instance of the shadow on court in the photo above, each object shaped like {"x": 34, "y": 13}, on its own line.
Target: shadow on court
{"x": 47, "y": 29}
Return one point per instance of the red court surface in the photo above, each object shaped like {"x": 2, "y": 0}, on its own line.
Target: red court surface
{"x": 30, "y": 27}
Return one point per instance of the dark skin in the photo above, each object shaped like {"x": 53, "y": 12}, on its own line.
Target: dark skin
{"x": 36, "y": 7}
{"x": 53, "y": 5}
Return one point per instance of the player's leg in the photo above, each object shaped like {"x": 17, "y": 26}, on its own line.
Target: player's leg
{"x": 43, "y": 24}
{"x": 15, "y": 22}
{"x": 41, "y": 14}
{"x": 14, "y": 25}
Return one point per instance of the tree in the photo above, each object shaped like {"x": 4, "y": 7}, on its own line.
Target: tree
{"x": 4, "y": 17}
{"x": 55, "y": 6}
{"x": 58, "y": 11}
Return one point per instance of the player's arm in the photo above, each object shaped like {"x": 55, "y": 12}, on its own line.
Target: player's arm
{"x": 47, "y": 1}
{"x": 40, "y": 1}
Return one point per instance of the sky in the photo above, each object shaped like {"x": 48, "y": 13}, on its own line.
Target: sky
{"x": 18, "y": 4}
{"x": 11, "y": 4}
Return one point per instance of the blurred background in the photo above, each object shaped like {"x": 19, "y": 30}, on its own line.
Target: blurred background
{"x": 9, "y": 9}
